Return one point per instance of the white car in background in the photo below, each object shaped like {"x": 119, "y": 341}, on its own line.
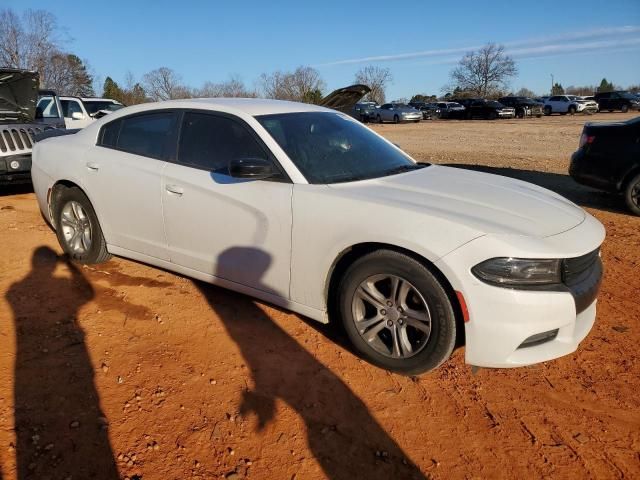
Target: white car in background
{"x": 306, "y": 208}
{"x": 78, "y": 112}
{"x": 570, "y": 104}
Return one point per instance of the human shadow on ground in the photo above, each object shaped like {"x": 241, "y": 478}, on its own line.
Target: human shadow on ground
{"x": 345, "y": 439}
{"x": 60, "y": 429}
{"x": 559, "y": 183}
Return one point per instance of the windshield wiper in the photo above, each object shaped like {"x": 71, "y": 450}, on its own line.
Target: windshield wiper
{"x": 406, "y": 168}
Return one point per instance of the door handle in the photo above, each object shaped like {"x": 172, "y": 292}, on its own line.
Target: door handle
{"x": 93, "y": 166}
{"x": 175, "y": 190}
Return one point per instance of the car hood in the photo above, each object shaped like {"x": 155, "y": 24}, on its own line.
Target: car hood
{"x": 489, "y": 203}
{"x": 343, "y": 99}
{"x": 18, "y": 94}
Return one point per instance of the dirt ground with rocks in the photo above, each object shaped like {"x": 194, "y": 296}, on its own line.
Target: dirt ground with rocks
{"x": 122, "y": 370}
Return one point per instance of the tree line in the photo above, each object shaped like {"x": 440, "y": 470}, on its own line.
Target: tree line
{"x": 35, "y": 41}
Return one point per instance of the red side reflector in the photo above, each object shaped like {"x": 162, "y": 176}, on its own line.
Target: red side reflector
{"x": 463, "y": 306}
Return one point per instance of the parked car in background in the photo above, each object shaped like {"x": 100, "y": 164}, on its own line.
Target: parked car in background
{"x": 449, "y": 110}
{"x": 541, "y": 99}
{"x": 524, "y": 106}
{"x": 364, "y": 111}
{"x": 397, "y": 113}
{"x": 307, "y": 209}
{"x": 623, "y": 101}
{"x": 608, "y": 158}
{"x": 570, "y": 104}
{"x": 21, "y": 121}
{"x": 79, "y": 112}
{"x": 487, "y": 109}
{"x": 424, "y": 108}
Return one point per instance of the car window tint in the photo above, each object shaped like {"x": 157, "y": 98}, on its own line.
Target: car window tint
{"x": 109, "y": 135}
{"x": 69, "y": 107}
{"x": 148, "y": 135}
{"x": 212, "y": 141}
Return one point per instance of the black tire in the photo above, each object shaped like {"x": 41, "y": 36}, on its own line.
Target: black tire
{"x": 416, "y": 121}
{"x": 572, "y": 110}
{"x": 396, "y": 119}
{"x": 547, "y": 110}
{"x": 97, "y": 252}
{"x": 632, "y": 195}
{"x": 520, "y": 113}
{"x": 624, "y": 109}
{"x": 442, "y": 337}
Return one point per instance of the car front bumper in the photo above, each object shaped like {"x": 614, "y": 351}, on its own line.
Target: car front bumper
{"x": 15, "y": 169}
{"x": 411, "y": 118}
{"x": 503, "y": 320}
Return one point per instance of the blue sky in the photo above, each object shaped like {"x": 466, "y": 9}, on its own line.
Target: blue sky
{"x": 579, "y": 42}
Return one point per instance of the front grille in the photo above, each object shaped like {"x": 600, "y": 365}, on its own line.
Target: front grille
{"x": 17, "y": 138}
{"x": 574, "y": 270}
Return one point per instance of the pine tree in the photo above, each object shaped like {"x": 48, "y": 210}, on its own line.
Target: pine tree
{"x": 605, "y": 86}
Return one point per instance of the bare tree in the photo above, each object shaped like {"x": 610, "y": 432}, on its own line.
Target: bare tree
{"x": 302, "y": 85}
{"x": 30, "y": 41}
{"x": 525, "y": 92}
{"x": 485, "y": 72}
{"x": 377, "y": 79}
{"x": 67, "y": 75}
{"x": 585, "y": 90}
{"x": 164, "y": 84}
{"x": 234, "y": 87}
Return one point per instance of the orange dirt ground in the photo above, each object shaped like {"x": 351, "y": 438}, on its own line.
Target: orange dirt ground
{"x": 122, "y": 370}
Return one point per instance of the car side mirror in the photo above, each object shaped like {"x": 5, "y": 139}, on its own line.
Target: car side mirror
{"x": 77, "y": 116}
{"x": 251, "y": 168}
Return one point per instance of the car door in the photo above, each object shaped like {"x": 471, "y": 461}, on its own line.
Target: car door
{"x": 123, "y": 179}
{"x": 235, "y": 229}
{"x": 75, "y": 116}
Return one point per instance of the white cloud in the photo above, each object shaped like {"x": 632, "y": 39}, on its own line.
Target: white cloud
{"x": 542, "y": 46}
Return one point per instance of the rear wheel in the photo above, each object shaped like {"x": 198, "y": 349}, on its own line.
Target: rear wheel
{"x": 625, "y": 108}
{"x": 396, "y": 313}
{"x": 632, "y": 195}
{"x": 77, "y": 227}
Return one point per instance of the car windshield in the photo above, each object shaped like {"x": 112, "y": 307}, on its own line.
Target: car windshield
{"x": 331, "y": 147}
{"x": 94, "y": 106}
{"x": 493, "y": 103}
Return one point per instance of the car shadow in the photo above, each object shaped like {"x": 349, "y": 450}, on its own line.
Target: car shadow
{"x": 7, "y": 190}
{"x": 61, "y": 431}
{"x": 559, "y": 183}
{"x": 343, "y": 436}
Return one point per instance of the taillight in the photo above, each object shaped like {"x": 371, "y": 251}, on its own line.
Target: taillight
{"x": 586, "y": 140}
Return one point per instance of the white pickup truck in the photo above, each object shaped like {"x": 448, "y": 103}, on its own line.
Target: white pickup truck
{"x": 79, "y": 112}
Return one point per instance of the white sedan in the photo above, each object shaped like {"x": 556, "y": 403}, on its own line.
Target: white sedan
{"x": 305, "y": 208}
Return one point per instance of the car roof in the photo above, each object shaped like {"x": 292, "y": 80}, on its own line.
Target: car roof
{"x": 247, "y": 106}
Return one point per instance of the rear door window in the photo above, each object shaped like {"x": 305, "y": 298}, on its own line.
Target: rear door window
{"x": 150, "y": 135}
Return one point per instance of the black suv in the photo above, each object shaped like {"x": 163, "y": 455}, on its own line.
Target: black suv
{"x": 487, "y": 109}
{"x": 524, "y": 106}
{"x": 608, "y": 158}
{"x": 623, "y": 101}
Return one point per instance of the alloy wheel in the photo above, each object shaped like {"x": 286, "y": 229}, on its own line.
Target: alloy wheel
{"x": 76, "y": 227}
{"x": 392, "y": 316}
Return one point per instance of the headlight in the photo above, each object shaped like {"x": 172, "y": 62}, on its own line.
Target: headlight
{"x": 519, "y": 272}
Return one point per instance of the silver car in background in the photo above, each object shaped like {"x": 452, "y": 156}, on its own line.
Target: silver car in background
{"x": 397, "y": 112}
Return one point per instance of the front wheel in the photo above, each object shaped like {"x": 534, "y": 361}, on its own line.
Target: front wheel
{"x": 396, "y": 119}
{"x": 396, "y": 313}
{"x": 77, "y": 227}
{"x": 632, "y": 195}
